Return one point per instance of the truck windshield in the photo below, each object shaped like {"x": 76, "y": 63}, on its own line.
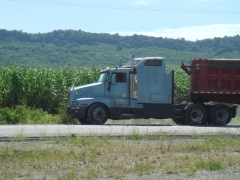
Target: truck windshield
{"x": 135, "y": 62}
{"x": 103, "y": 77}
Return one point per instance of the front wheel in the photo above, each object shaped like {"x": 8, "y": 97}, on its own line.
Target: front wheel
{"x": 195, "y": 115}
{"x": 98, "y": 114}
{"x": 220, "y": 114}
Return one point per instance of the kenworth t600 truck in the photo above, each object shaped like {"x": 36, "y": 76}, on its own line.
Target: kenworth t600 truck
{"x": 143, "y": 88}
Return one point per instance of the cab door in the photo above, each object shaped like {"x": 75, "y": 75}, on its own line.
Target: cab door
{"x": 119, "y": 92}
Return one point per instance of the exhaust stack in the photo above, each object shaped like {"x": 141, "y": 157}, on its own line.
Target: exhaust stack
{"x": 132, "y": 63}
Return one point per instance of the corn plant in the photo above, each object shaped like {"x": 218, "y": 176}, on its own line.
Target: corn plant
{"x": 181, "y": 85}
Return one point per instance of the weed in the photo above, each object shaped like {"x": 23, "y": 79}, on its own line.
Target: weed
{"x": 212, "y": 166}
{"x": 135, "y": 137}
{"x": 24, "y": 115}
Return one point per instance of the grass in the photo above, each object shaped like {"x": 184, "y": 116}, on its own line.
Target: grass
{"x": 94, "y": 157}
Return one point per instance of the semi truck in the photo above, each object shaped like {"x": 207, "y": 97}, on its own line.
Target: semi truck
{"x": 144, "y": 88}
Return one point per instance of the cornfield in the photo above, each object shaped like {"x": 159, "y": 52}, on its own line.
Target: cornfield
{"x": 41, "y": 88}
{"x": 46, "y": 88}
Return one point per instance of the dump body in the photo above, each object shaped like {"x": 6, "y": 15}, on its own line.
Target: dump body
{"x": 214, "y": 80}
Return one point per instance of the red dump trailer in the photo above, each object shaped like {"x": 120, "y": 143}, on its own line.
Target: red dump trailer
{"x": 215, "y": 80}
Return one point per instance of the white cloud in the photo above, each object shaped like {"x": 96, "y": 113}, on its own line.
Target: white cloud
{"x": 143, "y": 2}
{"x": 190, "y": 33}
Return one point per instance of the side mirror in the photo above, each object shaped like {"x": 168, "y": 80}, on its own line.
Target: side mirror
{"x": 113, "y": 79}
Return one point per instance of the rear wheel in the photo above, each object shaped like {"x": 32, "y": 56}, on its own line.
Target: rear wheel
{"x": 84, "y": 121}
{"x": 220, "y": 114}
{"x": 98, "y": 113}
{"x": 195, "y": 114}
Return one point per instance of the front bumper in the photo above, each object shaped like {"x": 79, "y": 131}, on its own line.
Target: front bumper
{"x": 76, "y": 112}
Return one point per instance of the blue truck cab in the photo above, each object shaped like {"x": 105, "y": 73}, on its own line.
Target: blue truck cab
{"x": 142, "y": 88}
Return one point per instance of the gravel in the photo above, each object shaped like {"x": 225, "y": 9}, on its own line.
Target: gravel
{"x": 200, "y": 175}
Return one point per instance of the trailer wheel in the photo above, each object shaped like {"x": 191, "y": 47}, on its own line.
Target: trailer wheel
{"x": 195, "y": 115}
{"x": 84, "y": 121}
{"x": 98, "y": 113}
{"x": 220, "y": 114}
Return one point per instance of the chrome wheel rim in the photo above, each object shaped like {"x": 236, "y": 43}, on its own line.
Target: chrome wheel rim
{"x": 196, "y": 115}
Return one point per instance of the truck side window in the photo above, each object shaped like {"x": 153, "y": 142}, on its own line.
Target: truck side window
{"x": 120, "y": 77}
{"x": 153, "y": 63}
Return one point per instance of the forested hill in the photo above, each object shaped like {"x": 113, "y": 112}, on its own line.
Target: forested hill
{"x": 79, "y": 48}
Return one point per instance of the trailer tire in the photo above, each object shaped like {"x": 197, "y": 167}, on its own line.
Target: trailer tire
{"x": 195, "y": 114}
{"x": 98, "y": 113}
{"x": 220, "y": 114}
{"x": 84, "y": 121}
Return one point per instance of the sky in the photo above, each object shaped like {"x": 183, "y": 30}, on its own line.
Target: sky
{"x": 189, "y": 19}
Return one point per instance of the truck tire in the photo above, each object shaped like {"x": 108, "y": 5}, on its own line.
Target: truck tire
{"x": 220, "y": 114}
{"x": 195, "y": 114}
{"x": 98, "y": 114}
{"x": 84, "y": 121}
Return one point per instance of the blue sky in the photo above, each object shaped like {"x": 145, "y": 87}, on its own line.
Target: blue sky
{"x": 189, "y": 19}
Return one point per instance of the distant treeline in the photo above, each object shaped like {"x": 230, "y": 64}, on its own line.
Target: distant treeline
{"x": 71, "y": 47}
{"x": 76, "y": 38}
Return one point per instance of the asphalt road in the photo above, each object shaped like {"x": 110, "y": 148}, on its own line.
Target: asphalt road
{"x": 7, "y": 131}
